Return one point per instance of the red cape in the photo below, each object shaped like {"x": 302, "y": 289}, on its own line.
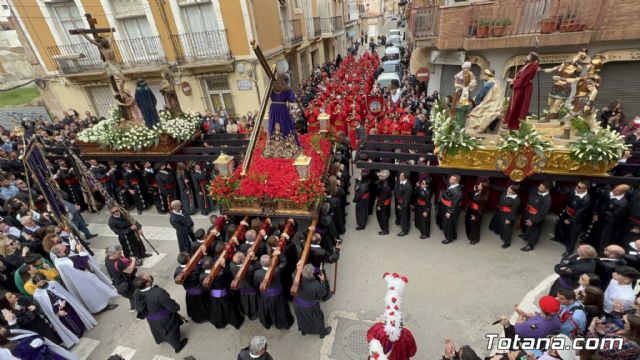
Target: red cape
{"x": 403, "y": 349}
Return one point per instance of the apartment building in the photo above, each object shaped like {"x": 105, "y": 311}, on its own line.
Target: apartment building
{"x": 498, "y": 34}
{"x": 204, "y": 43}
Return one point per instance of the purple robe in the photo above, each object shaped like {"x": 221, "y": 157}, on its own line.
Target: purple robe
{"x": 279, "y": 114}
{"x": 71, "y": 320}
{"x": 24, "y": 350}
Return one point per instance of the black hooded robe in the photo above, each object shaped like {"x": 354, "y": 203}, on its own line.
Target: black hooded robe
{"x": 306, "y": 306}
{"x": 161, "y": 312}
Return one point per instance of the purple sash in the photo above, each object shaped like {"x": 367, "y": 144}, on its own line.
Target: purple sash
{"x": 316, "y": 270}
{"x": 304, "y": 303}
{"x": 564, "y": 283}
{"x": 160, "y": 315}
{"x": 194, "y": 291}
{"x": 274, "y": 291}
{"x": 248, "y": 290}
{"x": 218, "y": 293}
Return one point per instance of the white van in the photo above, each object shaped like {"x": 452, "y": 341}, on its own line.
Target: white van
{"x": 393, "y": 32}
{"x": 392, "y": 53}
{"x": 387, "y": 79}
{"x": 394, "y": 40}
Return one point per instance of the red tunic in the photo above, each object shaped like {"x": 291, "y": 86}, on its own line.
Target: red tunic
{"x": 402, "y": 349}
{"x": 521, "y": 98}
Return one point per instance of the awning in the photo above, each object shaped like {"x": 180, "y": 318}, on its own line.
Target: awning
{"x": 447, "y": 57}
{"x": 351, "y": 31}
{"x": 419, "y": 59}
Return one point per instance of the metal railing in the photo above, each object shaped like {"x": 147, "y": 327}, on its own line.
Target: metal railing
{"x": 142, "y": 52}
{"x": 424, "y": 21}
{"x": 202, "y": 47}
{"x": 338, "y": 23}
{"x": 291, "y": 32}
{"x": 313, "y": 27}
{"x": 522, "y": 17}
{"x": 76, "y": 58}
{"x": 326, "y": 24}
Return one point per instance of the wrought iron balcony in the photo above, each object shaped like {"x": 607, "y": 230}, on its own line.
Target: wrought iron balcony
{"x": 76, "y": 58}
{"x": 338, "y": 23}
{"x": 314, "y": 28}
{"x": 292, "y": 32}
{"x": 424, "y": 21}
{"x": 203, "y": 47}
{"x": 327, "y": 26}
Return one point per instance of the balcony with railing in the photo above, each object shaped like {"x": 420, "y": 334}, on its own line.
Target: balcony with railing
{"x": 207, "y": 47}
{"x": 338, "y": 23}
{"x": 314, "y": 29}
{"x": 424, "y": 21}
{"x": 142, "y": 53}
{"x": 326, "y": 24}
{"x": 292, "y": 32}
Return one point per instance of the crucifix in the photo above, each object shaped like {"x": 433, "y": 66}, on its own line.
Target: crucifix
{"x": 271, "y": 76}
{"x": 108, "y": 55}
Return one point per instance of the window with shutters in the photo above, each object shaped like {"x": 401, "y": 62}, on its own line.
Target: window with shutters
{"x": 67, "y": 17}
{"x": 219, "y": 96}
{"x": 204, "y": 34}
{"x": 101, "y": 99}
{"x": 198, "y": 16}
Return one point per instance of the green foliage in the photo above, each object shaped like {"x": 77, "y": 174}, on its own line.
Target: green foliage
{"x": 448, "y": 136}
{"x": 525, "y": 137}
{"x": 602, "y": 146}
{"x": 19, "y": 96}
{"x": 581, "y": 126}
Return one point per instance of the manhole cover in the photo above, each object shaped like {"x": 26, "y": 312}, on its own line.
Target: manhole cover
{"x": 354, "y": 342}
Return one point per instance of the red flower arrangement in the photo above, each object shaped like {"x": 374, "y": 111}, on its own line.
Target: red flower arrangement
{"x": 221, "y": 189}
{"x": 278, "y": 179}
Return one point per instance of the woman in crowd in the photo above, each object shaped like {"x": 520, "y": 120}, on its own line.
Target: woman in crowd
{"x": 19, "y": 312}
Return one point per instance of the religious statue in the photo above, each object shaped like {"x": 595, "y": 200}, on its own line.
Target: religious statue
{"x": 522, "y": 86}
{"x": 106, "y": 49}
{"x": 488, "y": 104}
{"x": 147, "y": 103}
{"x": 168, "y": 90}
{"x": 561, "y": 85}
{"x": 464, "y": 82}
{"x": 586, "y": 92}
{"x": 281, "y": 129}
{"x": 129, "y": 103}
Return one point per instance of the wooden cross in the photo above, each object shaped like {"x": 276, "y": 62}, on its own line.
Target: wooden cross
{"x": 95, "y": 32}
{"x": 257, "y": 125}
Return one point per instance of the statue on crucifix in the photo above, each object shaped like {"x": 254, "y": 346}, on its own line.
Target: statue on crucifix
{"x": 108, "y": 53}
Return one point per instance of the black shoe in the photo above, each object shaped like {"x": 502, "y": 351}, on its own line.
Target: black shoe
{"x": 423, "y": 237}
{"x": 402, "y": 233}
{"x": 360, "y": 228}
{"x": 446, "y": 241}
{"x": 90, "y": 236}
{"x": 139, "y": 212}
{"x": 383, "y": 233}
{"x": 146, "y": 255}
{"x": 505, "y": 245}
{"x": 521, "y": 236}
{"x": 183, "y": 343}
{"x": 527, "y": 248}
{"x": 303, "y": 333}
{"x": 565, "y": 254}
{"x": 326, "y": 332}
{"x": 138, "y": 262}
{"x": 473, "y": 242}
{"x": 110, "y": 307}
{"x": 398, "y": 222}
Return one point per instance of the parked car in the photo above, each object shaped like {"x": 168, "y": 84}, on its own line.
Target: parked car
{"x": 392, "y": 53}
{"x": 388, "y": 80}
{"x": 392, "y": 66}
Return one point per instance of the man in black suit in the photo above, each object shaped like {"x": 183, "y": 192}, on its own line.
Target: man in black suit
{"x": 574, "y": 218}
{"x": 449, "y": 209}
{"x": 383, "y": 203}
{"x": 257, "y": 350}
{"x": 184, "y": 226}
{"x": 608, "y": 216}
{"x": 537, "y": 209}
{"x": 571, "y": 268}
{"x": 402, "y": 193}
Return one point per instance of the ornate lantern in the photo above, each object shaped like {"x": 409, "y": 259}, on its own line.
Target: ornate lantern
{"x": 225, "y": 165}
{"x": 303, "y": 166}
{"x": 323, "y": 119}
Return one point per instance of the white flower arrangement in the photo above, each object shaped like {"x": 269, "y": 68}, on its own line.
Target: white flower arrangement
{"x": 109, "y": 134}
{"x": 448, "y": 136}
{"x": 525, "y": 137}
{"x": 604, "y": 145}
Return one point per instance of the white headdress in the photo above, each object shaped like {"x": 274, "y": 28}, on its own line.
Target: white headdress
{"x": 392, "y": 313}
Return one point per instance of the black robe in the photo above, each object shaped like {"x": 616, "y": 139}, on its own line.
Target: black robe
{"x": 577, "y": 214}
{"x": 222, "y": 309}
{"x": 249, "y": 299}
{"x": 383, "y": 205}
{"x": 274, "y": 309}
{"x": 307, "y": 307}
{"x": 537, "y": 209}
{"x": 33, "y": 321}
{"x": 203, "y": 200}
{"x": 361, "y": 198}
{"x": 449, "y": 204}
{"x": 402, "y": 195}
{"x": 161, "y": 312}
{"x": 423, "y": 205}
{"x": 196, "y": 298}
{"x": 153, "y": 193}
{"x": 131, "y": 246}
{"x": 186, "y": 192}
{"x": 611, "y": 213}
{"x": 168, "y": 186}
{"x": 184, "y": 230}
{"x": 633, "y": 223}
{"x": 475, "y": 209}
{"x": 133, "y": 184}
{"x": 507, "y": 210}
